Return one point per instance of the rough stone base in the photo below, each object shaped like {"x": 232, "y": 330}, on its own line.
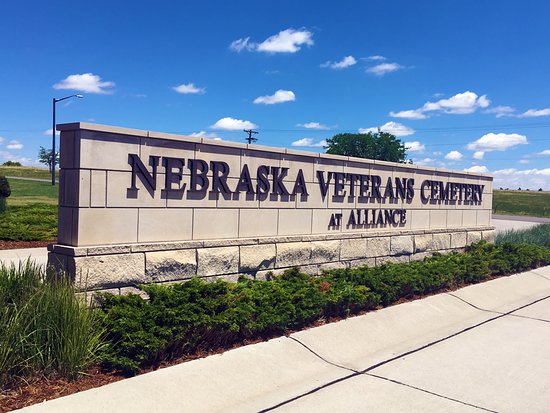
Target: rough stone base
{"x": 118, "y": 268}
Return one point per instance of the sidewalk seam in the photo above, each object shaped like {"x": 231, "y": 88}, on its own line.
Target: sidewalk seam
{"x": 375, "y": 366}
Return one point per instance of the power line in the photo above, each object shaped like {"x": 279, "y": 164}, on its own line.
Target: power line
{"x": 250, "y": 138}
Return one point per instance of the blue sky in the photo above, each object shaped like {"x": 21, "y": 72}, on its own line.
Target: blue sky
{"x": 464, "y": 83}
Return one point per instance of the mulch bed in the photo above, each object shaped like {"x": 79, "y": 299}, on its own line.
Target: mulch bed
{"x": 6, "y": 244}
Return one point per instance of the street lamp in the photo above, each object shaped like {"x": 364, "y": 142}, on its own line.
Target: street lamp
{"x": 53, "y": 132}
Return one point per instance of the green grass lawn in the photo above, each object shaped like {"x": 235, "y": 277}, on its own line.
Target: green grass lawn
{"x": 31, "y": 213}
{"x": 529, "y": 203}
{"x": 26, "y": 172}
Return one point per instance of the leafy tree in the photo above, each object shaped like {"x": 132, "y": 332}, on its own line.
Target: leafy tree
{"x": 11, "y": 163}
{"x": 5, "y": 191}
{"x": 45, "y": 157}
{"x": 379, "y": 145}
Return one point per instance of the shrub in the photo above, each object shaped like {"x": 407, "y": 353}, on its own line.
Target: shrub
{"x": 5, "y": 192}
{"x": 537, "y": 235}
{"x": 198, "y": 316}
{"x": 11, "y": 163}
{"x": 44, "y": 326}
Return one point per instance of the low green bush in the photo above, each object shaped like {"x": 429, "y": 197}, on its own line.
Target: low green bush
{"x": 537, "y": 235}
{"x": 29, "y": 222}
{"x": 44, "y": 326}
{"x": 198, "y": 316}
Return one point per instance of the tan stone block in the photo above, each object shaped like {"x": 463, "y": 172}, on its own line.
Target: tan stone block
{"x": 293, "y": 254}
{"x": 402, "y": 245}
{"x": 313, "y": 200}
{"x": 268, "y": 275}
{"x": 98, "y": 191}
{"x": 458, "y": 239}
{"x": 399, "y": 259}
{"x": 188, "y": 199}
{"x": 422, "y": 242}
{"x": 294, "y": 221}
{"x": 173, "y": 148}
{"x": 133, "y": 290}
{"x": 100, "y": 226}
{"x": 353, "y": 248}
{"x": 313, "y": 270}
{"x": 297, "y": 162}
{"x": 438, "y": 218}
{"x": 69, "y": 150}
{"x": 217, "y": 261}
{"x": 119, "y": 194}
{"x": 171, "y": 265}
{"x": 331, "y": 266}
{"x": 377, "y": 247}
{"x": 483, "y": 217}
{"x": 258, "y": 222}
{"x": 215, "y": 223}
{"x": 473, "y": 236}
{"x": 358, "y": 166}
{"x": 419, "y": 218}
{"x": 238, "y": 200}
{"x": 74, "y": 188}
{"x": 257, "y": 257}
{"x": 441, "y": 242}
{"x": 277, "y": 201}
{"x": 100, "y": 272}
{"x": 325, "y": 251}
{"x": 255, "y": 158}
{"x": 469, "y": 218}
{"x": 162, "y": 224}
{"x": 489, "y": 236}
{"x": 321, "y": 220}
{"x": 227, "y": 154}
{"x": 369, "y": 262}
{"x": 345, "y": 201}
{"x": 419, "y": 256}
{"x": 67, "y": 232}
{"x": 100, "y": 150}
{"x": 107, "y": 250}
{"x": 454, "y": 218}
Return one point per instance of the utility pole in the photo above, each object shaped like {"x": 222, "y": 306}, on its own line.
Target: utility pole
{"x": 250, "y": 138}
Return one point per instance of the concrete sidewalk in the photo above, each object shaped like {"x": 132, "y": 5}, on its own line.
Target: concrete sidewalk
{"x": 484, "y": 347}
{"x": 15, "y": 256}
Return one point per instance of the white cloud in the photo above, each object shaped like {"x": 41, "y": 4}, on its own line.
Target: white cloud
{"x": 394, "y": 128}
{"x": 544, "y": 152}
{"x": 48, "y": 132}
{"x": 342, "y": 64}
{"x": 383, "y": 68}
{"x": 425, "y": 161}
{"x": 454, "y": 156}
{"x": 524, "y": 161}
{"x": 279, "y": 96}
{"x": 189, "y": 88}
{"x": 501, "y": 111}
{"x": 313, "y": 125}
{"x": 497, "y": 142}
{"x": 310, "y": 143}
{"x": 86, "y": 82}
{"x": 409, "y": 114}
{"x": 415, "y": 146}
{"x": 459, "y": 104}
{"x": 533, "y": 113}
{"x": 204, "y": 134}
{"x": 286, "y": 41}
{"x": 479, "y": 155}
{"x": 14, "y": 145}
{"x": 8, "y": 156}
{"x": 242, "y": 44}
{"x": 376, "y": 58}
{"x": 1, "y": 140}
{"x": 233, "y": 124}
{"x": 477, "y": 168}
{"x": 526, "y": 178}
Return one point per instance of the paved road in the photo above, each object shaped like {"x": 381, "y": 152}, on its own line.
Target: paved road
{"x": 481, "y": 348}
{"x": 32, "y": 179}
{"x": 521, "y": 218}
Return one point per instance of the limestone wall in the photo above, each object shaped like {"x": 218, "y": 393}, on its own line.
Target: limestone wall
{"x": 139, "y": 206}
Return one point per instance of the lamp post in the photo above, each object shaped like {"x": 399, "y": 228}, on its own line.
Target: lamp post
{"x": 54, "y": 101}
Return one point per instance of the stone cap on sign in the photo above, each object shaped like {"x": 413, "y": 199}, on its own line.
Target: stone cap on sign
{"x": 170, "y": 136}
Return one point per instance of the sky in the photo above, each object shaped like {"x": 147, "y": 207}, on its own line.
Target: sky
{"x": 465, "y": 84}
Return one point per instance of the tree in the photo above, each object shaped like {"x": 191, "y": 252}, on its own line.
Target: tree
{"x": 5, "y": 191}
{"x": 379, "y": 145}
{"x": 45, "y": 157}
{"x": 11, "y": 163}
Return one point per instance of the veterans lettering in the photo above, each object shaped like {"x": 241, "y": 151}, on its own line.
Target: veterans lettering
{"x": 212, "y": 177}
